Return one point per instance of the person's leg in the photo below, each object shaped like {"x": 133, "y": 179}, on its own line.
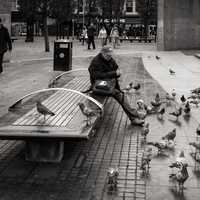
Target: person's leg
{"x": 89, "y": 42}
{"x": 93, "y": 44}
{"x": 83, "y": 39}
{"x": 1, "y": 62}
{"x": 105, "y": 41}
{"x": 113, "y": 42}
{"x": 132, "y": 113}
{"x": 102, "y": 42}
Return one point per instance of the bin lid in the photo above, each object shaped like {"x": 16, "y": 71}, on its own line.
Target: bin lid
{"x": 63, "y": 41}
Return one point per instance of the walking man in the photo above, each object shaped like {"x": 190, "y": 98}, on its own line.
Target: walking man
{"x": 90, "y": 33}
{"x": 5, "y": 43}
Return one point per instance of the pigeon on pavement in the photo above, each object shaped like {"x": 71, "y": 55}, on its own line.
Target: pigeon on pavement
{"x": 177, "y": 113}
{"x": 170, "y": 136}
{"x": 172, "y": 72}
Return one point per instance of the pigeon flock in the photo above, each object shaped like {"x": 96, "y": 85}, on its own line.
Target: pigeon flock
{"x": 159, "y": 105}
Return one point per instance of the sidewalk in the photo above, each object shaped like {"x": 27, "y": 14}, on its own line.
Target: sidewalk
{"x": 35, "y": 51}
{"x": 186, "y": 78}
{"x": 82, "y": 173}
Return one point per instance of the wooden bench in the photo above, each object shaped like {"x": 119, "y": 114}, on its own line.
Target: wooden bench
{"x": 138, "y": 39}
{"x": 13, "y": 39}
{"x": 45, "y": 140}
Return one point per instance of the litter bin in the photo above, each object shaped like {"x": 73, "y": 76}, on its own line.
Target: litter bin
{"x": 62, "y": 55}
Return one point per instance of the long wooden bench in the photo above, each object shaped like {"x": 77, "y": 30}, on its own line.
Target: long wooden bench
{"x": 45, "y": 139}
{"x": 138, "y": 39}
{"x": 13, "y": 39}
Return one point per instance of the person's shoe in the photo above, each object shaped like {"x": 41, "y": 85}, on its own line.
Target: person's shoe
{"x": 137, "y": 122}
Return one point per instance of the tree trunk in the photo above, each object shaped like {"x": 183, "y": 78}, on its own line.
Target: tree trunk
{"x": 46, "y": 35}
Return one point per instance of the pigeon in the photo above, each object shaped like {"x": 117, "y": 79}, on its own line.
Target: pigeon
{"x": 145, "y": 130}
{"x": 195, "y": 102}
{"x": 161, "y": 146}
{"x": 177, "y": 113}
{"x": 137, "y": 87}
{"x": 193, "y": 96}
{"x": 181, "y": 158}
{"x": 170, "y": 136}
{"x": 87, "y": 112}
{"x": 172, "y": 72}
{"x": 187, "y": 109}
{"x": 157, "y": 101}
{"x": 198, "y": 130}
{"x": 161, "y": 112}
{"x": 173, "y": 93}
{"x": 112, "y": 178}
{"x": 195, "y": 145}
{"x": 156, "y": 104}
{"x": 157, "y": 57}
{"x": 196, "y": 91}
{"x": 181, "y": 176}
{"x": 146, "y": 159}
{"x": 43, "y": 109}
{"x": 157, "y": 98}
{"x": 129, "y": 87}
{"x": 169, "y": 98}
{"x": 183, "y": 99}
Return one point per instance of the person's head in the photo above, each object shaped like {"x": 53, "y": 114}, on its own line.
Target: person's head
{"x": 107, "y": 52}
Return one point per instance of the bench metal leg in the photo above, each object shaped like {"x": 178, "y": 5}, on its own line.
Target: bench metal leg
{"x": 44, "y": 151}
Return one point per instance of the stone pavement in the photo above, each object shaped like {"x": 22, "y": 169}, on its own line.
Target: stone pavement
{"x": 82, "y": 173}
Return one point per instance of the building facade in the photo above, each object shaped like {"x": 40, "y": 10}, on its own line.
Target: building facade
{"x": 5, "y": 12}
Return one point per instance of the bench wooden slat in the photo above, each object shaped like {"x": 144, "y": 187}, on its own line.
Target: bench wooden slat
{"x": 59, "y": 107}
{"x": 27, "y": 132}
{"x": 50, "y": 103}
{"x": 69, "y": 122}
{"x": 68, "y": 106}
{"x": 46, "y": 102}
{"x": 68, "y": 110}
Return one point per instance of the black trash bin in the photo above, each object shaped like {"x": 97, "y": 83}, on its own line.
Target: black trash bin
{"x": 62, "y": 55}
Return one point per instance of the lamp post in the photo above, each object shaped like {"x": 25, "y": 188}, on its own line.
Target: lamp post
{"x": 83, "y": 13}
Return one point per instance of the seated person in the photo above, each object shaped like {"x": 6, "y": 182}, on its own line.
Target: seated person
{"x": 102, "y": 67}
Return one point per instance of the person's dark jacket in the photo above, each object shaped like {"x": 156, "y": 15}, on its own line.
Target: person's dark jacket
{"x": 5, "y": 41}
{"x": 91, "y": 31}
{"x": 102, "y": 69}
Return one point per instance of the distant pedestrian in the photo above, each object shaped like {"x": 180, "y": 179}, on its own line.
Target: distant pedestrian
{"x": 102, "y": 36}
{"x": 84, "y": 35}
{"x": 114, "y": 34}
{"x": 90, "y": 33}
{"x": 5, "y": 43}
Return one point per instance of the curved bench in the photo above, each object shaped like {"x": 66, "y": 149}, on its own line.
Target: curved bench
{"x": 45, "y": 140}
